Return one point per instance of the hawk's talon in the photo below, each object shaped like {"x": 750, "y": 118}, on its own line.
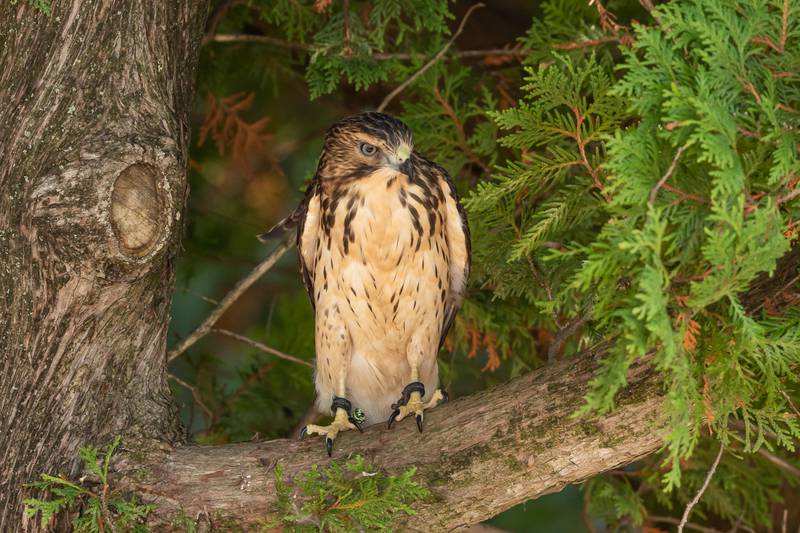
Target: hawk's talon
{"x": 411, "y": 402}
{"x": 393, "y": 416}
{"x": 303, "y": 433}
{"x": 345, "y": 418}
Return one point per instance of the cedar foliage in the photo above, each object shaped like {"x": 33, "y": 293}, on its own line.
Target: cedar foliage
{"x": 626, "y": 182}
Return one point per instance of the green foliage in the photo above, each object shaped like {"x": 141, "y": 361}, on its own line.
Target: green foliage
{"x": 649, "y": 205}
{"x": 612, "y": 499}
{"x": 348, "y": 497}
{"x": 94, "y": 508}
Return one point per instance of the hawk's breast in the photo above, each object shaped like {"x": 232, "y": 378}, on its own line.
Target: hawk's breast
{"x": 388, "y": 257}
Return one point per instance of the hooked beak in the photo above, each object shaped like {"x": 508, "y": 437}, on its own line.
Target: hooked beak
{"x": 403, "y": 155}
{"x": 406, "y": 168}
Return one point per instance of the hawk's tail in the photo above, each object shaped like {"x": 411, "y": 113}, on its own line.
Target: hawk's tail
{"x": 278, "y": 230}
{"x": 292, "y": 221}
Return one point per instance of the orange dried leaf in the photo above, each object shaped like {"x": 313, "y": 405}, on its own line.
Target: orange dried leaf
{"x": 493, "y": 363}
{"x": 690, "y": 335}
{"x": 474, "y": 342}
{"x": 322, "y": 5}
{"x": 248, "y": 142}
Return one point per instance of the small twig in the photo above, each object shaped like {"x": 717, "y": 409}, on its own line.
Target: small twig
{"x": 216, "y": 17}
{"x": 460, "y": 135}
{"x": 684, "y": 195}
{"x": 105, "y": 511}
{"x": 198, "y": 295}
{"x": 244, "y": 284}
{"x": 566, "y": 332}
{"x": 400, "y": 88}
{"x": 261, "y": 39}
{"x": 667, "y": 174}
{"x": 251, "y": 380}
{"x": 540, "y": 279}
{"x": 379, "y": 56}
{"x": 785, "y": 517}
{"x": 783, "y": 392}
{"x": 585, "y": 44}
{"x": 348, "y": 50}
{"x": 700, "y": 492}
{"x": 586, "y": 515}
{"x": 780, "y": 463}
{"x": 688, "y": 525}
{"x": 788, "y": 196}
{"x": 758, "y": 308}
{"x": 196, "y": 396}
{"x": 263, "y": 347}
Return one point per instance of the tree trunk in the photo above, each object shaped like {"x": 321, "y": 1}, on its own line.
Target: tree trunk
{"x": 94, "y": 101}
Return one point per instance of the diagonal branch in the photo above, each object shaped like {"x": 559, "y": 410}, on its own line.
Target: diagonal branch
{"x": 703, "y": 488}
{"x": 262, "y": 347}
{"x": 435, "y": 59}
{"x": 245, "y": 283}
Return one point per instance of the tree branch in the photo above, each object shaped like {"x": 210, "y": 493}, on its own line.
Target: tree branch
{"x": 378, "y": 56}
{"x": 262, "y": 347}
{"x": 202, "y": 330}
{"x": 703, "y": 488}
{"x": 435, "y": 59}
{"x": 479, "y": 454}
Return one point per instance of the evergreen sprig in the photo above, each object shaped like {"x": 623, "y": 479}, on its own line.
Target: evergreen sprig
{"x": 94, "y": 509}
{"x": 345, "y": 497}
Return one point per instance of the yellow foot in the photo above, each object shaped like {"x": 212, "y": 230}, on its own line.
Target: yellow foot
{"x": 411, "y": 402}
{"x": 343, "y": 421}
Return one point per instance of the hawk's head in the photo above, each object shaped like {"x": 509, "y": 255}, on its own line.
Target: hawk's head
{"x": 361, "y": 144}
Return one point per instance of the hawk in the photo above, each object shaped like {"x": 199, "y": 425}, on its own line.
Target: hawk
{"x": 384, "y": 251}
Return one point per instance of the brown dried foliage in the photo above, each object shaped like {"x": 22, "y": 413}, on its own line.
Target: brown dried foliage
{"x": 322, "y": 5}
{"x": 248, "y": 143}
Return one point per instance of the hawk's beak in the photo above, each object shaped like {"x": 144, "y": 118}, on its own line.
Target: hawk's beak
{"x": 403, "y": 155}
{"x": 406, "y": 168}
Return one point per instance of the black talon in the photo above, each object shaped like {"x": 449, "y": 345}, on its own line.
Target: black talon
{"x": 392, "y": 418}
{"x": 357, "y": 424}
{"x": 445, "y": 396}
{"x": 419, "y": 423}
{"x": 329, "y": 445}
{"x": 303, "y": 432}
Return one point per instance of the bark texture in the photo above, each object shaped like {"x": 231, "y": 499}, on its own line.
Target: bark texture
{"x": 479, "y": 455}
{"x": 93, "y": 149}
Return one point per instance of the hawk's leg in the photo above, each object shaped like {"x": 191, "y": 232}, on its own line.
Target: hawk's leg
{"x": 345, "y": 418}
{"x": 411, "y": 402}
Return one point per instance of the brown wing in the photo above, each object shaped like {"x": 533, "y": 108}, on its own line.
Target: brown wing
{"x": 306, "y": 219}
{"x": 459, "y": 247}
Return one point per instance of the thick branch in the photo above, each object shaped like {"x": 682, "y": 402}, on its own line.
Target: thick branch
{"x": 478, "y": 455}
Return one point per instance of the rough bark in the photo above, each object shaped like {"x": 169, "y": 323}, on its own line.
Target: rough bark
{"x": 478, "y": 455}
{"x": 93, "y": 149}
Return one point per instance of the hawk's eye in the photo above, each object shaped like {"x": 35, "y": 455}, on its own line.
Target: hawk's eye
{"x": 368, "y": 149}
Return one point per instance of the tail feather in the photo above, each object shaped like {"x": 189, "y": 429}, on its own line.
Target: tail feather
{"x": 278, "y": 230}
{"x": 292, "y": 221}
